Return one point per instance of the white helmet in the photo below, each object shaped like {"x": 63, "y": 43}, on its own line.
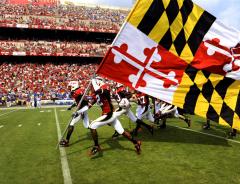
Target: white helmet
{"x": 124, "y": 103}
{"x": 119, "y": 85}
{"x": 74, "y": 87}
{"x": 97, "y": 83}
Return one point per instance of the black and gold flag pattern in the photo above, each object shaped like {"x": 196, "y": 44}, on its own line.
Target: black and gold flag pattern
{"x": 180, "y": 26}
{"x": 177, "y": 25}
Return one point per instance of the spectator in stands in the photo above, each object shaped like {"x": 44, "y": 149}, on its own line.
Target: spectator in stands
{"x": 36, "y": 48}
{"x": 47, "y": 79}
{"x": 63, "y": 17}
{"x": 38, "y": 98}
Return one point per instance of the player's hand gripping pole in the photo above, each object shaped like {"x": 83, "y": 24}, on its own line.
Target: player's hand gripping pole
{"x": 78, "y": 106}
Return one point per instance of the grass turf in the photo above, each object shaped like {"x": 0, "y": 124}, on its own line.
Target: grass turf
{"x": 28, "y": 155}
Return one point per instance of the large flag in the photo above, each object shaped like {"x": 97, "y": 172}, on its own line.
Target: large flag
{"x": 176, "y": 51}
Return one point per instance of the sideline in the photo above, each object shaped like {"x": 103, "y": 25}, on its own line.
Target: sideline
{"x": 64, "y": 162}
{"x": 9, "y": 112}
{"x": 203, "y": 133}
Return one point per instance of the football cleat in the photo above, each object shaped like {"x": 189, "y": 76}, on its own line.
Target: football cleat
{"x": 94, "y": 150}
{"x": 188, "y": 121}
{"x": 64, "y": 143}
{"x": 138, "y": 147}
{"x": 232, "y": 134}
{"x": 206, "y": 127}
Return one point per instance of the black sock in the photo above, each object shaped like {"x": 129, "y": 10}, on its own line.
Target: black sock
{"x": 129, "y": 137}
{"x": 95, "y": 136}
{"x": 140, "y": 122}
{"x": 70, "y": 130}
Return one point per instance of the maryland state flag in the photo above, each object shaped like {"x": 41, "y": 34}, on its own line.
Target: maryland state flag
{"x": 176, "y": 51}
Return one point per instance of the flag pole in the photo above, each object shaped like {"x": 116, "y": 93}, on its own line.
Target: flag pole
{"x": 78, "y": 106}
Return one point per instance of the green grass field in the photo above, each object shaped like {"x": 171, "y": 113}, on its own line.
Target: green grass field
{"x": 175, "y": 155}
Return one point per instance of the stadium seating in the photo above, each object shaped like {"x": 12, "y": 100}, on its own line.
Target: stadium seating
{"x": 52, "y": 48}
{"x": 45, "y": 79}
{"x": 63, "y": 17}
{"x": 19, "y": 80}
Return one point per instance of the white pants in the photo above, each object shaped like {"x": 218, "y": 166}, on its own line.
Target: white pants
{"x": 127, "y": 112}
{"x": 105, "y": 119}
{"x": 141, "y": 114}
{"x": 78, "y": 118}
{"x": 175, "y": 114}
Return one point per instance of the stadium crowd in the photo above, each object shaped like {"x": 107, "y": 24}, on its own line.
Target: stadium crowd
{"x": 62, "y": 17}
{"x": 42, "y": 47}
{"x": 19, "y": 81}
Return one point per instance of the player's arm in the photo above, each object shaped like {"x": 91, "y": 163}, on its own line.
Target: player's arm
{"x": 73, "y": 105}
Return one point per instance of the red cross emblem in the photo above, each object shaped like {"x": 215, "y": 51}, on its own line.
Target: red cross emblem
{"x": 216, "y": 58}
{"x": 159, "y": 64}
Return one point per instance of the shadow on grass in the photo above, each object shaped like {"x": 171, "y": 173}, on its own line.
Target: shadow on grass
{"x": 175, "y": 135}
{"x": 169, "y": 135}
{"x": 113, "y": 145}
{"x": 87, "y": 137}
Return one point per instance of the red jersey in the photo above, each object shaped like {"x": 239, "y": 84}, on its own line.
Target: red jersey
{"x": 142, "y": 99}
{"x": 121, "y": 93}
{"x": 103, "y": 98}
{"x": 77, "y": 95}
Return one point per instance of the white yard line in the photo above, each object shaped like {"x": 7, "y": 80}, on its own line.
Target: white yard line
{"x": 65, "y": 168}
{"x": 9, "y": 112}
{"x": 203, "y": 133}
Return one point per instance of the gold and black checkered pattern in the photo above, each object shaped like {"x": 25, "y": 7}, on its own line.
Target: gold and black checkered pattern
{"x": 177, "y": 25}
{"x": 180, "y": 26}
{"x": 213, "y": 96}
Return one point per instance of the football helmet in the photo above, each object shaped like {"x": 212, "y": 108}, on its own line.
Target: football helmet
{"x": 97, "y": 83}
{"x": 119, "y": 85}
{"x": 73, "y": 88}
{"x": 124, "y": 103}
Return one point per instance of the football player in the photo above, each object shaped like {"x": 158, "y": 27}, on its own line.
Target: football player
{"x": 165, "y": 110}
{"x": 143, "y": 108}
{"x": 103, "y": 99}
{"x": 82, "y": 113}
{"x": 122, "y": 97}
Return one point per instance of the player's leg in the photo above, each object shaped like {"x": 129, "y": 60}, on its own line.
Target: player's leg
{"x": 150, "y": 116}
{"x": 65, "y": 142}
{"x": 85, "y": 119}
{"x": 139, "y": 123}
{"x": 164, "y": 122}
{"x": 184, "y": 118}
{"x": 206, "y": 126}
{"x": 118, "y": 127}
{"x": 233, "y": 133}
{"x": 139, "y": 112}
{"x": 103, "y": 120}
{"x": 179, "y": 113}
{"x": 120, "y": 111}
